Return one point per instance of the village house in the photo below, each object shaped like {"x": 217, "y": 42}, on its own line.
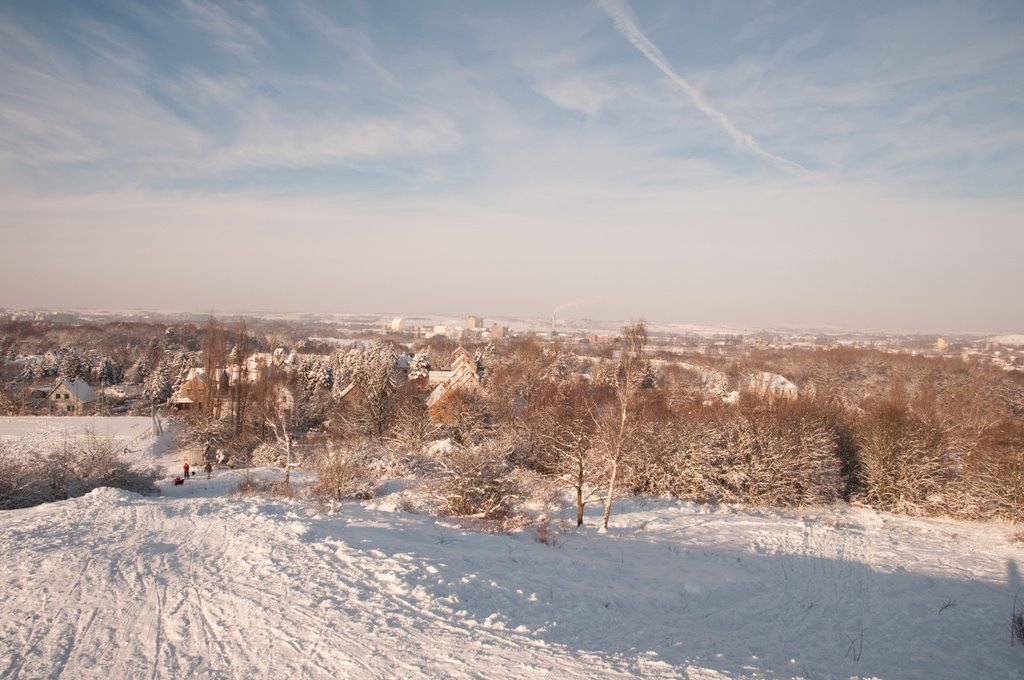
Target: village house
{"x": 771, "y": 385}
{"x": 70, "y": 397}
{"x": 461, "y": 376}
{"x": 195, "y": 389}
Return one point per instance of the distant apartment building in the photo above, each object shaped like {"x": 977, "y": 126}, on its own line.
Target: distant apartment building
{"x": 474, "y": 323}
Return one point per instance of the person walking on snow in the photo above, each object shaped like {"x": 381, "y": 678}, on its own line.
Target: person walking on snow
{"x": 208, "y": 469}
{"x": 185, "y": 466}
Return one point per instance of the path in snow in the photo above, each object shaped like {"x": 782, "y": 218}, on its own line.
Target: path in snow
{"x": 202, "y": 583}
{"x": 117, "y": 585}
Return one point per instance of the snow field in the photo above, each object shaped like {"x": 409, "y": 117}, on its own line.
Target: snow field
{"x": 213, "y": 586}
{"x": 133, "y": 432}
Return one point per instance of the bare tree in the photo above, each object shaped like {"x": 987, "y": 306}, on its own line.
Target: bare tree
{"x": 241, "y": 385}
{"x": 616, "y": 421}
{"x": 279, "y": 414}
{"x": 564, "y": 428}
{"x": 343, "y": 471}
{"x": 214, "y": 355}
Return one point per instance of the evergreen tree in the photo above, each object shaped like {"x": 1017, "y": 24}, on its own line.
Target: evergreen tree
{"x": 158, "y": 383}
{"x": 107, "y": 372}
{"x": 419, "y": 366}
{"x": 324, "y": 376}
{"x": 48, "y": 365}
{"x": 70, "y": 366}
{"x": 181, "y": 363}
{"x": 376, "y": 376}
{"x": 306, "y": 371}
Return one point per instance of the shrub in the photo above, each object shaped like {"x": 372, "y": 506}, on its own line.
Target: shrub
{"x": 772, "y": 456}
{"x": 54, "y": 470}
{"x": 475, "y": 481}
{"x": 344, "y": 472}
{"x": 901, "y": 465}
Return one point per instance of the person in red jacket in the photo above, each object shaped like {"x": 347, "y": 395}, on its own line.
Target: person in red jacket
{"x": 186, "y": 468}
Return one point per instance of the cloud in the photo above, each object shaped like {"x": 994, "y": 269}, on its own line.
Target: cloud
{"x": 357, "y": 45}
{"x": 626, "y": 23}
{"x": 312, "y": 143}
{"x": 576, "y": 94}
{"x": 57, "y": 109}
{"x": 232, "y": 33}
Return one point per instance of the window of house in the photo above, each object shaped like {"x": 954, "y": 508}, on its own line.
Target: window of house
{"x": 69, "y": 408}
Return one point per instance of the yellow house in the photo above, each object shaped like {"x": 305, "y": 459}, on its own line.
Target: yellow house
{"x": 195, "y": 389}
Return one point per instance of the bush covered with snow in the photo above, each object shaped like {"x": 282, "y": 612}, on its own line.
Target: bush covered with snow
{"x": 474, "y": 480}
{"x": 39, "y": 471}
{"x": 777, "y": 456}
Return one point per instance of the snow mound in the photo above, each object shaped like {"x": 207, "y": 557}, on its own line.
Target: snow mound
{"x": 110, "y": 494}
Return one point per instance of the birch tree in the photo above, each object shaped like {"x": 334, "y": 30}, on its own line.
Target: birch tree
{"x": 617, "y": 421}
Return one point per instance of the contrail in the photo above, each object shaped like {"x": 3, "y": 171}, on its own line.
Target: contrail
{"x": 625, "y": 21}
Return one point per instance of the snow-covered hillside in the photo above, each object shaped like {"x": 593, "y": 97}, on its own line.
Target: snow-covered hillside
{"x": 132, "y": 432}
{"x": 196, "y": 584}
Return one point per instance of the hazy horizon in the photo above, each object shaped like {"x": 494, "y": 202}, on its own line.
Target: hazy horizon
{"x": 540, "y": 323}
{"x": 847, "y": 166}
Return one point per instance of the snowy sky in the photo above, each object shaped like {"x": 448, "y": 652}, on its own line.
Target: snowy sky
{"x": 851, "y": 164}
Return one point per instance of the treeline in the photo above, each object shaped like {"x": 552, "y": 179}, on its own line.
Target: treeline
{"x": 905, "y": 434}
{"x": 909, "y": 434}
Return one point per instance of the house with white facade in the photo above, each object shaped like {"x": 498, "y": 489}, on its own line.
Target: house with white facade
{"x": 70, "y": 397}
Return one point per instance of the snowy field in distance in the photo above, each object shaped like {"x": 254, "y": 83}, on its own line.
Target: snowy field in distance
{"x": 204, "y": 583}
{"x": 133, "y": 432}
{"x": 1013, "y": 340}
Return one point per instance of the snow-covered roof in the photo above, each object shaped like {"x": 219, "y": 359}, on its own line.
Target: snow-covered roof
{"x": 196, "y": 373}
{"x": 437, "y": 377}
{"x": 771, "y": 381}
{"x": 457, "y": 381}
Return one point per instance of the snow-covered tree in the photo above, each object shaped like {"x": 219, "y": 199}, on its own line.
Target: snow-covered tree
{"x": 158, "y": 383}
{"x": 345, "y": 366}
{"x": 316, "y": 374}
{"x": 483, "y": 358}
{"x": 280, "y": 414}
{"x": 180, "y": 365}
{"x": 71, "y": 365}
{"x": 323, "y": 379}
{"x": 375, "y": 375}
{"x": 49, "y": 364}
{"x": 138, "y": 372}
{"x": 108, "y": 372}
{"x": 419, "y": 366}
